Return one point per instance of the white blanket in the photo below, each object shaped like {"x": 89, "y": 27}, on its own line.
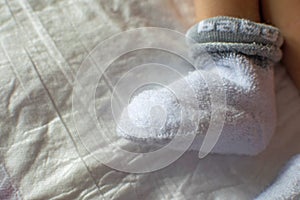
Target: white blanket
{"x": 42, "y": 46}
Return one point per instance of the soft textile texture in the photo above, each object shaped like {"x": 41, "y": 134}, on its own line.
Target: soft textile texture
{"x": 42, "y": 46}
{"x": 287, "y": 185}
{"x": 244, "y": 54}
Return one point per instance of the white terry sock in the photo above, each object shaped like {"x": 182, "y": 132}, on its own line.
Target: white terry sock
{"x": 244, "y": 53}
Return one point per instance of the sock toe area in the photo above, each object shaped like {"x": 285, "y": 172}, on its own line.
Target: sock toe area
{"x": 152, "y": 115}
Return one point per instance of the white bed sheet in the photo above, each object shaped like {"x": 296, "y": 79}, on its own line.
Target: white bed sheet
{"x": 42, "y": 46}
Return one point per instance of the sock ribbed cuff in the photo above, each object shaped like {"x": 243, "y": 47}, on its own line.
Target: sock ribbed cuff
{"x": 223, "y": 34}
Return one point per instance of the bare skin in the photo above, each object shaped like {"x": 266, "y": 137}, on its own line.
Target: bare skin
{"x": 285, "y": 14}
{"x": 247, "y": 9}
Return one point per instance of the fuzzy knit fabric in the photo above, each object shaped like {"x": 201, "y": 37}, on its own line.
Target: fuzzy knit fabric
{"x": 243, "y": 54}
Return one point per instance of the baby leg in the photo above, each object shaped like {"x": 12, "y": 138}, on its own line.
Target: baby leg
{"x": 286, "y": 16}
{"x": 246, "y": 9}
{"x": 244, "y": 53}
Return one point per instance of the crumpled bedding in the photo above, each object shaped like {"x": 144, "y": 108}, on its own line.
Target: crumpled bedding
{"x": 43, "y": 44}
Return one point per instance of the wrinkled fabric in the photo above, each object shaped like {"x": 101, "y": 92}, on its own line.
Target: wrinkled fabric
{"x": 42, "y": 46}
